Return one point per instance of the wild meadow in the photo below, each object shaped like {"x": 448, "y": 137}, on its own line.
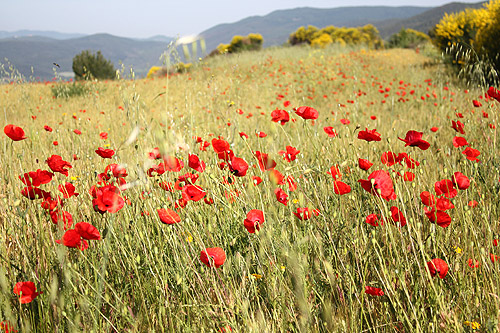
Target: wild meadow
{"x": 285, "y": 190}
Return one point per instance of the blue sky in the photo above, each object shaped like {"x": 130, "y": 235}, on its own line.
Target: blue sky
{"x": 146, "y": 18}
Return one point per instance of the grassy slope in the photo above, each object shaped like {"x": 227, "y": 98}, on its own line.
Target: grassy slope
{"x": 145, "y": 275}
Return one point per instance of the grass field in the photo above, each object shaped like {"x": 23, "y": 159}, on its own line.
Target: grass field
{"x": 317, "y": 273}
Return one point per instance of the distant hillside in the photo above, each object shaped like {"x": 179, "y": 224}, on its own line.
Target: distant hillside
{"x": 277, "y": 26}
{"x": 424, "y": 21}
{"x": 41, "y": 52}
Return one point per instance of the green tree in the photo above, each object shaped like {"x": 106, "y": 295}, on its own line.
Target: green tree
{"x": 87, "y": 65}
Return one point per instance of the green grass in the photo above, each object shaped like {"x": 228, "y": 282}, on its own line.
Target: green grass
{"x": 146, "y": 276}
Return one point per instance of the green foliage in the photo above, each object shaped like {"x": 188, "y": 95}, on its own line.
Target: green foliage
{"x": 408, "y": 39}
{"x": 67, "y": 90}
{"x": 87, "y": 65}
{"x": 367, "y": 35}
{"x": 470, "y": 41}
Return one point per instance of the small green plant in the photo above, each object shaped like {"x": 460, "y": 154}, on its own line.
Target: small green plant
{"x": 67, "y": 90}
{"x": 89, "y": 66}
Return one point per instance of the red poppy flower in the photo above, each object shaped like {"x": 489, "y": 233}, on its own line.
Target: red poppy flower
{"x": 57, "y": 164}
{"x": 307, "y": 112}
{"x": 374, "y": 291}
{"x": 434, "y": 129}
{"x": 173, "y": 164}
{"x": 195, "y": 163}
{"x": 408, "y": 176}
{"x": 458, "y": 126}
{"x": 256, "y": 180}
{"x": 254, "y": 220}
{"x": 105, "y": 153}
{"x": 341, "y": 188}
{"x": 494, "y": 93}
{"x": 72, "y": 238}
{"x": 280, "y": 116}
{"x": 473, "y": 263}
{"x": 68, "y": 190}
{"x": 77, "y": 131}
{"x": 265, "y": 163}
{"x": 389, "y": 158}
{"x": 473, "y": 203}
{"x": 26, "y": 291}
{"x": 397, "y": 216}
{"x": 108, "y": 200}
{"x": 330, "y": 131}
{"x": 379, "y": 183}
{"x": 439, "y": 217}
{"x": 373, "y": 219}
{"x": 476, "y": 104}
{"x": 459, "y": 141}
{"x": 428, "y": 198}
{"x": 47, "y": 128}
{"x": 364, "y": 164}
{"x": 193, "y": 192}
{"x": 438, "y": 267}
{"x": 304, "y": 213}
{"x": 290, "y": 154}
{"x": 33, "y": 193}
{"x": 281, "y": 196}
{"x": 345, "y": 121}
{"x": 292, "y": 185}
{"x": 103, "y": 135}
{"x": 414, "y": 139}
{"x": 213, "y": 257}
{"x": 221, "y": 147}
{"x": 444, "y": 204}
{"x": 410, "y": 162}
{"x": 335, "y": 172}
{"x": 7, "y": 327}
{"x": 471, "y": 154}
{"x": 460, "y": 180}
{"x": 238, "y": 166}
{"x": 14, "y": 132}
{"x": 445, "y": 187}
{"x": 493, "y": 257}
{"x": 154, "y": 154}
{"x": 87, "y": 231}
{"x": 168, "y": 216}
{"x": 369, "y": 135}
{"x": 260, "y": 134}
{"x": 276, "y": 177}
{"x": 57, "y": 215}
{"x": 36, "y": 178}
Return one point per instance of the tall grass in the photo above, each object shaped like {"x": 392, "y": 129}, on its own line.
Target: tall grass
{"x": 293, "y": 275}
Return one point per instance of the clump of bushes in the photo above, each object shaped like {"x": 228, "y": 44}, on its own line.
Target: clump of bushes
{"x": 408, "y": 39}
{"x": 251, "y": 42}
{"x": 367, "y": 35}
{"x": 90, "y": 66}
{"x": 67, "y": 90}
{"x": 470, "y": 39}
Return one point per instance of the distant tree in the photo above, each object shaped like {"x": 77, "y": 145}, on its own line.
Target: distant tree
{"x": 87, "y": 65}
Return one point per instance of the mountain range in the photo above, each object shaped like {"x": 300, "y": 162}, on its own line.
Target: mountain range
{"x": 33, "y": 53}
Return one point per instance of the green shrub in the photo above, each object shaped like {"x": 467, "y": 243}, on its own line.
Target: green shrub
{"x": 408, "y": 39}
{"x": 67, "y": 90}
{"x": 89, "y": 66}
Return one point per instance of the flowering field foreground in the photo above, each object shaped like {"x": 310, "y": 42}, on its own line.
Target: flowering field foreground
{"x": 284, "y": 190}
